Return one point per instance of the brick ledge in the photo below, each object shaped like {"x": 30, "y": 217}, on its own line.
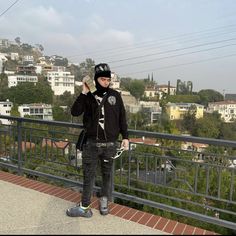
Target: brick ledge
{"x": 150, "y": 220}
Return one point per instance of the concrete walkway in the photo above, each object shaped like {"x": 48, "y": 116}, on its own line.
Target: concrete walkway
{"x": 26, "y": 211}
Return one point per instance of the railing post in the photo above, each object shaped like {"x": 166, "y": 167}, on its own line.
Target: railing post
{"x": 19, "y": 144}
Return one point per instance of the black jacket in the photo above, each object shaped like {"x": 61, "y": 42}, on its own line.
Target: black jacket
{"x": 115, "y": 115}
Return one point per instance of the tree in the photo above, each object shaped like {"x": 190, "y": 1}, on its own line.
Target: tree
{"x": 86, "y": 68}
{"x": 189, "y": 119}
{"x": 25, "y": 93}
{"x": 125, "y": 83}
{"x": 59, "y": 114}
{"x": 228, "y": 131}
{"x": 18, "y": 41}
{"x": 74, "y": 70}
{"x": 40, "y": 47}
{"x": 137, "y": 88}
{"x": 3, "y": 86}
{"x": 208, "y": 126}
{"x": 209, "y": 95}
{"x": 183, "y": 88}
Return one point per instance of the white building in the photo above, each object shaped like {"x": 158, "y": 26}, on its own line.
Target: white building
{"x": 165, "y": 88}
{"x": 4, "y": 43}
{"x": 14, "y": 56}
{"x": 36, "y": 110}
{"x": 115, "y": 82}
{"x": 13, "y": 80}
{"x": 5, "y": 110}
{"x": 61, "y": 81}
{"x": 227, "y": 110}
{"x": 3, "y": 59}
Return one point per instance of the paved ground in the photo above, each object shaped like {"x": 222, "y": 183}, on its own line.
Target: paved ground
{"x": 26, "y": 211}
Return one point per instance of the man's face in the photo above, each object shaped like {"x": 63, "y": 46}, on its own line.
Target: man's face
{"x": 104, "y": 81}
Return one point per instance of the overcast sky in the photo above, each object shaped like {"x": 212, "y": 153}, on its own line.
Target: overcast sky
{"x": 190, "y": 40}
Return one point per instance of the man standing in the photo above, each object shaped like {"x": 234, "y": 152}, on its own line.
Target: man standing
{"x": 104, "y": 118}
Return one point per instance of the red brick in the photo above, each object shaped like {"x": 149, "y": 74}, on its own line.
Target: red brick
{"x": 123, "y": 211}
{"x": 179, "y": 229}
{"x": 189, "y": 230}
{"x": 130, "y": 213}
{"x": 170, "y": 226}
{"x": 161, "y": 223}
{"x": 146, "y": 217}
{"x": 137, "y": 216}
{"x": 153, "y": 221}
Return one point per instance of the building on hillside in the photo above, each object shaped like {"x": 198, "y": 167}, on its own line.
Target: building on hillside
{"x": 230, "y": 97}
{"x": 24, "y": 73}
{"x": 4, "y": 43}
{"x": 14, "y": 80}
{"x": 152, "y": 108}
{"x": 61, "y": 81}
{"x": 115, "y": 82}
{"x": 3, "y": 59}
{"x": 29, "y": 69}
{"x": 5, "y": 110}
{"x": 150, "y": 92}
{"x": 36, "y": 110}
{"x": 14, "y": 56}
{"x": 28, "y": 60}
{"x": 60, "y": 145}
{"x": 143, "y": 140}
{"x": 227, "y": 110}
{"x": 165, "y": 88}
{"x": 176, "y": 111}
{"x": 130, "y": 102}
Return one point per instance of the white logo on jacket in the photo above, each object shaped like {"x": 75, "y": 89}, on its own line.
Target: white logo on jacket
{"x": 112, "y": 100}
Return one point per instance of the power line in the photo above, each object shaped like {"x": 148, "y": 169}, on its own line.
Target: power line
{"x": 9, "y": 8}
{"x": 146, "y": 43}
{"x": 178, "y": 55}
{"x": 173, "y": 50}
{"x": 179, "y": 65}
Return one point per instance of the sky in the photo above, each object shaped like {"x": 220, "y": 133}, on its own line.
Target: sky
{"x": 190, "y": 40}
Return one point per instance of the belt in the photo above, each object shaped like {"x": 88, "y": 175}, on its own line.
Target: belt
{"x": 107, "y": 144}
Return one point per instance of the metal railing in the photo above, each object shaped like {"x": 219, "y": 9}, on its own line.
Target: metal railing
{"x": 189, "y": 176}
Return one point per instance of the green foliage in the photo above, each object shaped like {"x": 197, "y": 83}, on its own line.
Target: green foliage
{"x": 14, "y": 111}
{"x": 228, "y": 131}
{"x": 209, "y": 95}
{"x": 183, "y": 98}
{"x": 208, "y": 126}
{"x": 74, "y": 69}
{"x": 137, "y": 88}
{"x": 183, "y": 87}
{"x": 59, "y": 114}
{"x": 3, "y": 86}
{"x": 189, "y": 119}
{"x": 125, "y": 83}
{"x": 86, "y": 68}
{"x": 25, "y": 93}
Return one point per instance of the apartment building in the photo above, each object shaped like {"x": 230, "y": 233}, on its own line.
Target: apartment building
{"x": 165, "y": 88}
{"x": 115, "y": 82}
{"x": 5, "y": 110}
{"x": 176, "y": 111}
{"x": 61, "y": 81}
{"x": 36, "y": 110}
{"x": 14, "y": 80}
{"x": 227, "y": 110}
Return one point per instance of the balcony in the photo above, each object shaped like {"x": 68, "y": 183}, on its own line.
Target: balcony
{"x": 160, "y": 184}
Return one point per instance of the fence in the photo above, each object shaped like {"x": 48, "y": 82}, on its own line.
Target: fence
{"x": 190, "y": 176}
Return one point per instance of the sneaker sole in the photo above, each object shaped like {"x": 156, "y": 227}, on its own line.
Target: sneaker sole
{"x": 68, "y": 213}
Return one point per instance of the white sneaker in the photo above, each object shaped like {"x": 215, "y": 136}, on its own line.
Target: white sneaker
{"x": 103, "y": 208}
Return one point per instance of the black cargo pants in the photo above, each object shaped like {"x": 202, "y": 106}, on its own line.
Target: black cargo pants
{"x": 93, "y": 153}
